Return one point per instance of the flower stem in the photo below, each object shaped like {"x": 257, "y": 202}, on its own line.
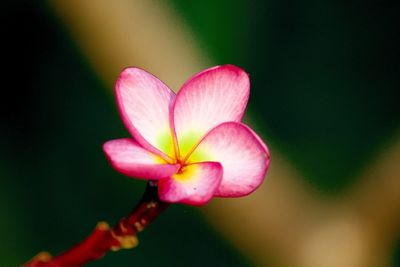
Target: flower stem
{"x": 104, "y": 238}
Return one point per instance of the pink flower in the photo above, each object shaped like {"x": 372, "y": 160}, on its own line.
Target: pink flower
{"x": 193, "y": 142}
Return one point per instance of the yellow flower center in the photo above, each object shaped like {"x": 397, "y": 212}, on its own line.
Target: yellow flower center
{"x": 186, "y": 154}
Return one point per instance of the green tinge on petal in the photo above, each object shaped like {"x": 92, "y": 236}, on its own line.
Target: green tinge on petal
{"x": 165, "y": 143}
{"x": 199, "y": 156}
{"x": 187, "y": 142}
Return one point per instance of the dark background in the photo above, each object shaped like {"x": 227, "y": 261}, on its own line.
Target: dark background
{"x": 325, "y": 89}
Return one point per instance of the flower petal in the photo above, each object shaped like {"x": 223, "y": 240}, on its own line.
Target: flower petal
{"x": 129, "y": 158}
{"x": 213, "y": 96}
{"x": 144, "y": 103}
{"x": 242, "y": 154}
{"x": 195, "y": 184}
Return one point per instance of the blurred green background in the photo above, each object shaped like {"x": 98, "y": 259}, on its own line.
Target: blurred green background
{"x": 325, "y": 90}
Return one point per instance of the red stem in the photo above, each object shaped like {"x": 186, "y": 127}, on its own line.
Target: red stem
{"x": 104, "y": 239}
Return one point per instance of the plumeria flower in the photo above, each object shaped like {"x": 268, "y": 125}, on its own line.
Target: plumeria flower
{"x": 193, "y": 142}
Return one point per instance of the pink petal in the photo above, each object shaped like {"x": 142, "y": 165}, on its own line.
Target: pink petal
{"x": 129, "y": 158}
{"x": 213, "y": 96}
{"x": 258, "y": 138}
{"x": 195, "y": 184}
{"x": 144, "y": 103}
{"x": 243, "y": 156}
